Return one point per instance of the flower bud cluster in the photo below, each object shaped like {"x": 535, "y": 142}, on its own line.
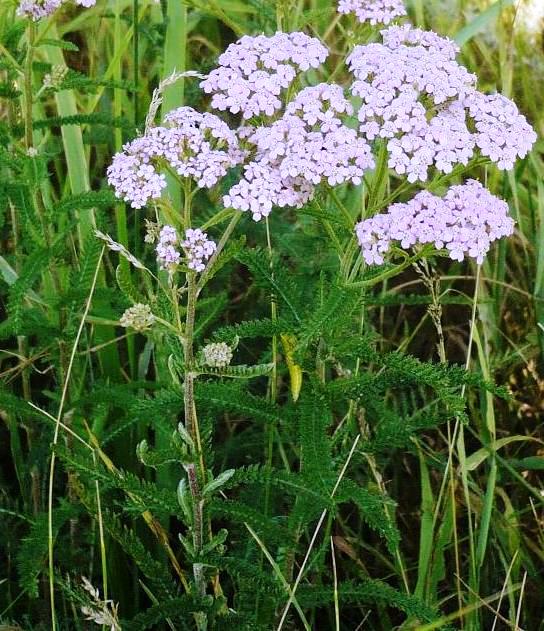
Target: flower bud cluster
{"x": 217, "y": 354}
{"x": 55, "y": 78}
{"x": 139, "y": 317}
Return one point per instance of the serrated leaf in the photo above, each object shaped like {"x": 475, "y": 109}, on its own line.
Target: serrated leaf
{"x": 238, "y": 372}
{"x": 59, "y": 43}
{"x": 218, "y": 482}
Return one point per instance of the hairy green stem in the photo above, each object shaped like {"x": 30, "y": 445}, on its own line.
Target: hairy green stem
{"x": 220, "y": 247}
{"x": 191, "y": 423}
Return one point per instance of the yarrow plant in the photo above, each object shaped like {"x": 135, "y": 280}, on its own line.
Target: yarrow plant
{"x": 369, "y": 160}
{"x": 212, "y": 408}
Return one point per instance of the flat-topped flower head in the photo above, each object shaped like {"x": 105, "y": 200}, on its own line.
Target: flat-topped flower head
{"x": 373, "y": 11}
{"x": 197, "y": 146}
{"x": 39, "y": 9}
{"x": 308, "y": 145}
{"x": 217, "y": 354}
{"x": 408, "y": 62}
{"x": 254, "y": 71}
{"x": 426, "y": 107}
{"x": 198, "y": 249}
{"x": 502, "y": 133}
{"x": 465, "y": 222}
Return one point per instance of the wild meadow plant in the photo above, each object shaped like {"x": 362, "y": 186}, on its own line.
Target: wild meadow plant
{"x": 264, "y": 409}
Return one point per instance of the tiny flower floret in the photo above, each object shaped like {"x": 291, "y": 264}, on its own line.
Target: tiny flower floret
{"x": 465, "y": 222}
{"x": 373, "y": 11}
{"x": 217, "y": 355}
{"x": 197, "y": 146}
{"x": 139, "y": 317}
{"x": 253, "y": 71}
{"x": 198, "y": 249}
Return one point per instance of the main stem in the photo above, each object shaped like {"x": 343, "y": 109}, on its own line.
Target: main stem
{"x": 191, "y": 421}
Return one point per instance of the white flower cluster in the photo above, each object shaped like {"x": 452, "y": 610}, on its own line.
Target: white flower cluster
{"x": 254, "y": 71}
{"x": 425, "y": 106}
{"x": 139, "y": 317}
{"x": 217, "y": 355}
{"x": 465, "y": 222}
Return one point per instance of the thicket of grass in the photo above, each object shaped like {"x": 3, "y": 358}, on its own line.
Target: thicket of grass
{"x": 468, "y": 494}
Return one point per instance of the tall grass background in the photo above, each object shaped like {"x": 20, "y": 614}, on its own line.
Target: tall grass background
{"x": 470, "y": 497}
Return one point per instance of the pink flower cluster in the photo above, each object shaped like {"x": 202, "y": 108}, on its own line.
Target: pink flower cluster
{"x": 502, "y": 133}
{"x": 197, "y": 146}
{"x": 465, "y": 222}
{"x": 373, "y": 11}
{"x": 196, "y": 246}
{"x": 38, "y": 9}
{"x": 168, "y": 256}
{"x": 424, "y": 104}
{"x": 308, "y": 145}
{"x": 253, "y": 71}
